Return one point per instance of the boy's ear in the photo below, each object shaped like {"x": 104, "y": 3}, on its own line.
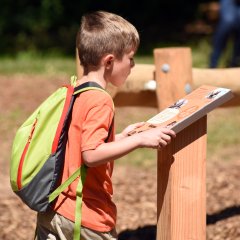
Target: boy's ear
{"x": 108, "y": 60}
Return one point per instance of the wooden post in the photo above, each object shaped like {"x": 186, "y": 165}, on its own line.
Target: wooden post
{"x": 181, "y": 191}
{"x": 173, "y": 69}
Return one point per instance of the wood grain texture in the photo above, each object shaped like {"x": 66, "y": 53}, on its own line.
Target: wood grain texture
{"x": 181, "y": 200}
{"x": 171, "y": 84}
{"x": 181, "y": 182}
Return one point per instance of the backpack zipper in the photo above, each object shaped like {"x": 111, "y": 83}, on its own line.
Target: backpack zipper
{"x": 69, "y": 94}
{"x": 19, "y": 175}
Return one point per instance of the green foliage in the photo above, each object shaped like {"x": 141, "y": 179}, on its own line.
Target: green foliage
{"x": 201, "y": 51}
{"x": 41, "y": 25}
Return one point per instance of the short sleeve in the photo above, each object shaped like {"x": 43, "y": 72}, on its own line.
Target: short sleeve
{"x": 96, "y": 126}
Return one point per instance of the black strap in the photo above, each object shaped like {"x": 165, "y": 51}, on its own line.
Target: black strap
{"x": 87, "y": 84}
{"x": 94, "y": 84}
{"x": 109, "y": 131}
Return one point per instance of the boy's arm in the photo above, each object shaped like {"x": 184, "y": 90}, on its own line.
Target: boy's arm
{"x": 153, "y": 138}
{"x": 128, "y": 129}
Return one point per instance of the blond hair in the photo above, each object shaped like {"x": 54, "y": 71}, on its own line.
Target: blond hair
{"x": 104, "y": 33}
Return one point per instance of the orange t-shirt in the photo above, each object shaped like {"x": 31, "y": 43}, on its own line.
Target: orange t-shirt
{"x": 91, "y": 119}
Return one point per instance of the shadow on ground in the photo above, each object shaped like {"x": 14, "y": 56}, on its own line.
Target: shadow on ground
{"x": 143, "y": 233}
{"x": 223, "y": 214}
{"x": 149, "y": 232}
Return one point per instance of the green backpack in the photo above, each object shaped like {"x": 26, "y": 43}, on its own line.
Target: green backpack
{"x": 38, "y": 152}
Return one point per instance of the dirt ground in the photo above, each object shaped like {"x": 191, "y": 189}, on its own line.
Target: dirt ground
{"x": 135, "y": 188}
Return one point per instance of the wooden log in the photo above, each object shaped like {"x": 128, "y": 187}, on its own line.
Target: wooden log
{"x": 222, "y": 77}
{"x": 225, "y": 77}
{"x": 181, "y": 166}
{"x": 142, "y": 73}
{"x": 141, "y": 99}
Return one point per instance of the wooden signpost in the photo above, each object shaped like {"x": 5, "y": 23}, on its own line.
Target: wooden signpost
{"x": 181, "y": 173}
{"x": 181, "y": 165}
{"x": 181, "y": 191}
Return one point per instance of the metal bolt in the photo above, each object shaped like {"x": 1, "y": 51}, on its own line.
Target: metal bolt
{"x": 187, "y": 88}
{"x": 165, "y": 68}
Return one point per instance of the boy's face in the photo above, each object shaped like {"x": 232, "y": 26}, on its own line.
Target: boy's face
{"x": 122, "y": 68}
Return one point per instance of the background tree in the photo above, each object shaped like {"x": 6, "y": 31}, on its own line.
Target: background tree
{"x": 43, "y": 25}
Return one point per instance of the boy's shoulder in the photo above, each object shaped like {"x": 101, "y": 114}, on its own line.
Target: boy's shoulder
{"x": 96, "y": 97}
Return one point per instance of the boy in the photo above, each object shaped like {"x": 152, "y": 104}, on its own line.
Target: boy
{"x": 106, "y": 43}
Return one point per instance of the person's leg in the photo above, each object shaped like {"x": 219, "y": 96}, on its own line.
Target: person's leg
{"x": 52, "y": 226}
{"x": 223, "y": 31}
{"x": 43, "y": 233}
{"x": 89, "y": 234}
{"x": 235, "y": 61}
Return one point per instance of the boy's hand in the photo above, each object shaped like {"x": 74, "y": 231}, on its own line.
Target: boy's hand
{"x": 130, "y": 128}
{"x": 156, "y": 138}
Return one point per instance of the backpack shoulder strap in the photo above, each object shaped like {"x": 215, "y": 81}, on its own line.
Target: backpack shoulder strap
{"x": 87, "y": 86}
{"x": 91, "y": 86}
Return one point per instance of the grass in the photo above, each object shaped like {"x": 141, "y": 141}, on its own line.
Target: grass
{"x": 222, "y": 134}
{"x": 223, "y": 129}
{"x": 200, "y": 53}
{"x": 27, "y": 63}
{"x": 31, "y": 64}
{"x": 52, "y": 64}
{"x": 36, "y": 63}
{"x": 125, "y": 116}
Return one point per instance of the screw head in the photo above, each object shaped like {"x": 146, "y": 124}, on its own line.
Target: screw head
{"x": 165, "y": 68}
{"x": 187, "y": 88}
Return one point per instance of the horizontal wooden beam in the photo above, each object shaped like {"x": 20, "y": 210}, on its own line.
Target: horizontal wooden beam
{"x": 138, "y": 84}
{"x": 142, "y": 73}
{"x": 225, "y": 77}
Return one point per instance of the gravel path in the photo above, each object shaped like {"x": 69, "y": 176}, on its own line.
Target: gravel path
{"x": 135, "y": 196}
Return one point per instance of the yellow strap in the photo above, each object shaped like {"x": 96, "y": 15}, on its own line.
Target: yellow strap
{"x": 78, "y": 209}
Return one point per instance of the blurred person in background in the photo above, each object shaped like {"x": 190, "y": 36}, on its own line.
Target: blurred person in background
{"x": 228, "y": 26}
